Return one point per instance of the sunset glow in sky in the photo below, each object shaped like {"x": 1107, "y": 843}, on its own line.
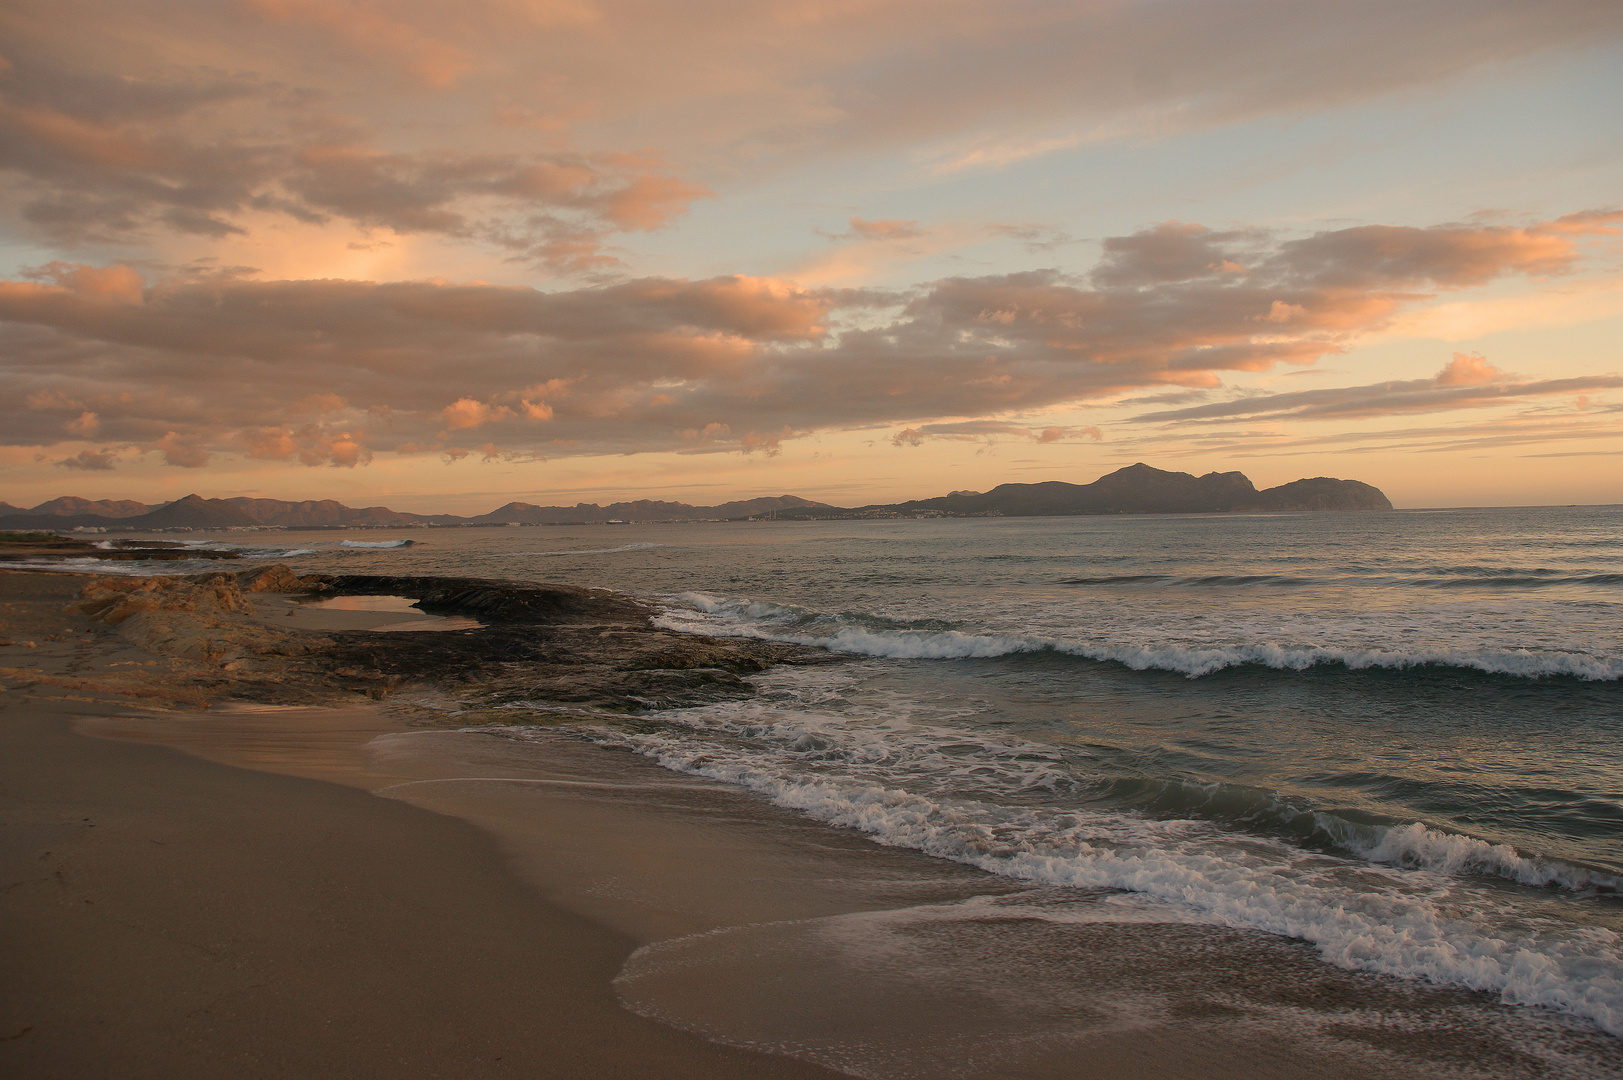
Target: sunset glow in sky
{"x": 439, "y": 256}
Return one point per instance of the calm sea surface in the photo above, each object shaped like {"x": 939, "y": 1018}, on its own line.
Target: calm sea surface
{"x": 1396, "y": 736}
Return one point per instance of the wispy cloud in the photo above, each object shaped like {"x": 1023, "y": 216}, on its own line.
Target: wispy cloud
{"x": 990, "y": 431}
{"x": 1468, "y": 381}
{"x": 879, "y": 230}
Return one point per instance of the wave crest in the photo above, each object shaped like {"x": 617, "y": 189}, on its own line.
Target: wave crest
{"x": 1417, "y": 931}
{"x": 772, "y": 622}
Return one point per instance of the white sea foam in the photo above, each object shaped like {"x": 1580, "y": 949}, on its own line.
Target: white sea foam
{"x": 601, "y": 551}
{"x": 109, "y": 567}
{"x": 743, "y": 618}
{"x": 375, "y": 543}
{"x": 1449, "y": 853}
{"x": 1415, "y": 923}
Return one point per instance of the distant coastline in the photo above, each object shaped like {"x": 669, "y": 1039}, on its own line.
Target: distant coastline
{"x": 1137, "y": 489}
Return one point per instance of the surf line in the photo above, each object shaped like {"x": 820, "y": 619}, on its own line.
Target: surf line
{"x": 554, "y": 783}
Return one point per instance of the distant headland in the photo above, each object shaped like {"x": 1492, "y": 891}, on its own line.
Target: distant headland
{"x": 1137, "y": 489}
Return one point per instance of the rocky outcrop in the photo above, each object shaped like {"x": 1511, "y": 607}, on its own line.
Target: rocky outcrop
{"x": 497, "y": 601}
{"x": 278, "y": 579}
{"x": 112, "y": 600}
{"x": 544, "y": 649}
{"x": 203, "y": 618}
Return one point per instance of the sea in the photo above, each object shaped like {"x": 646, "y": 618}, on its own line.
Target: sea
{"x": 1394, "y": 737}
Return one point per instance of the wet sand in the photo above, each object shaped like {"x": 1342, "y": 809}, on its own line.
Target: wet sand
{"x": 168, "y": 917}
{"x": 406, "y": 899}
{"x": 162, "y": 915}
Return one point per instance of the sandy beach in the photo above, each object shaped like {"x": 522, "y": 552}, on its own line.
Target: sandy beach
{"x": 203, "y": 880}
{"x": 166, "y": 916}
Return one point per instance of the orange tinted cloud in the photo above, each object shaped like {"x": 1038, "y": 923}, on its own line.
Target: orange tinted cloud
{"x": 733, "y": 362}
{"x": 90, "y": 461}
{"x": 1468, "y": 369}
{"x": 93, "y": 158}
{"x": 424, "y": 55}
{"x": 1467, "y": 381}
{"x": 990, "y": 431}
{"x": 112, "y": 284}
{"x": 887, "y": 229}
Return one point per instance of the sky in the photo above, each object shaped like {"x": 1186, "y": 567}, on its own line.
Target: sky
{"x": 439, "y": 257}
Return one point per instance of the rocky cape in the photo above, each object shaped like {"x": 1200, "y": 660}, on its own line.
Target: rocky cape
{"x": 541, "y": 652}
{"x": 1140, "y": 489}
{"x": 1137, "y": 489}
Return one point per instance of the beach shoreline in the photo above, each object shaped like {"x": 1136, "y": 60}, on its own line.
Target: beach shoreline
{"x": 725, "y": 918}
{"x": 168, "y": 916}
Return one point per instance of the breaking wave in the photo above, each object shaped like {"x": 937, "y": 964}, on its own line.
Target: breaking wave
{"x": 1402, "y": 909}
{"x": 856, "y": 636}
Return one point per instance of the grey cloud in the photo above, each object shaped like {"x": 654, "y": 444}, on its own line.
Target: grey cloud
{"x": 881, "y": 230}
{"x": 1017, "y": 72}
{"x": 748, "y": 88}
{"x": 1446, "y": 255}
{"x": 1379, "y": 399}
{"x": 332, "y": 371}
{"x": 1034, "y": 238}
{"x": 1531, "y": 424}
{"x": 989, "y": 430}
{"x": 84, "y": 164}
{"x": 1169, "y": 397}
{"x": 90, "y": 460}
{"x": 1173, "y": 252}
{"x": 105, "y": 98}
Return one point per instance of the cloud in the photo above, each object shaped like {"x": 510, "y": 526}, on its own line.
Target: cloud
{"x": 90, "y": 460}
{"x": 1469, "y": 369}
{"x": 1034, "y": 238}
{"x": 225, "y": 364}
{"x": 84, "y": 424}
{"x": 882, "y": 230}
{"x": 1445, "y": 255}
{"x": 80, "y": 167}
{"x": 989, "y": 430}
{"x": 121, "y": 120}
{"x": 113, "y": 284}
{"x": 182, "y": 451}
{"x": 1060, "y": 434}
{"x": 1534, "y": 424}
{"x": 468, "y": 413}
{"x": 770, "y": 445}
{"x": 424, "y": 56}
{"x": 1176, "y": 251}
{"x": 1467, "y": 381}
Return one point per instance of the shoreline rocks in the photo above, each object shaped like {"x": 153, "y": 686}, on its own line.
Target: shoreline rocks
{"x": 543, "y": 645}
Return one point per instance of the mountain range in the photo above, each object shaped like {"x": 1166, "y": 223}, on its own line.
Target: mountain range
{"x": 1137, "y": 489}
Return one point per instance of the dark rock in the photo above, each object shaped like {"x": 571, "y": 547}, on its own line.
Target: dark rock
{"x": 542, "y": 644}
{"x": 496, "y": 601}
